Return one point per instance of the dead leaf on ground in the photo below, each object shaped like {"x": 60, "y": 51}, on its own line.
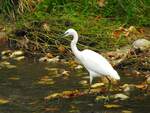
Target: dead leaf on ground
{"x": 61, "y": 48}
{"x": 46, "y": 26}
{"x": 49, "y": 55}
{"x": 101, "y": 3}
{"x": 117, "y": 33}
{"x": 72, "y": 63}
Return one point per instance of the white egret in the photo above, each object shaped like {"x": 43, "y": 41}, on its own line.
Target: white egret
{"x": 95, "y": 63}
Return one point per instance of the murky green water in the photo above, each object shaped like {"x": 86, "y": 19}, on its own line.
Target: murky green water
{"x": 26, "y": 94}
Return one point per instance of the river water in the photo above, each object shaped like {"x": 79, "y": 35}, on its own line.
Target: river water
{"x": 23, "y": 88}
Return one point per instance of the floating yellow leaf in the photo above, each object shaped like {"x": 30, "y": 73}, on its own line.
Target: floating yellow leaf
{"x": 13, "y": 78}
{"x": 84, "y": 82}
{"x": 3, "y": 101}
{"x": 52, "y": 96}
{"x": 65, "y": 73}
{"x": 112, "y": 106}
{"x": 126, "y": 111}
{"x": 52, "y": 109}
{"x": 45, "y": 80}
{"x": 99, "y": 98}
{"x": 97, "y": 85}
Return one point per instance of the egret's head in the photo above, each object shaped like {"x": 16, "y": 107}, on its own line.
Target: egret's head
{"x": 70, "y": 32}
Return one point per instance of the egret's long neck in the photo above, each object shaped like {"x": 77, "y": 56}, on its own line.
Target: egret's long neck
{"x": 74, "y": 45}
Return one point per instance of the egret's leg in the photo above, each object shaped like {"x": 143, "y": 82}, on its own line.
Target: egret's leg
{"x": 91, "y": 79}
{"x": 109, "y": 86}
{"x": 109, "y": 83}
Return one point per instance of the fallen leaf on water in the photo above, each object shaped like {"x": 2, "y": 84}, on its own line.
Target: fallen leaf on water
{"x": 72, "y": 63}
{"x": 69, "y": 94}
{"x": 46, "y": 80}
{"x": 126, "y": 111}
{"x": 112, "y": 106}
{"x": 6, "y": 52}
{"x": 10, "y": 66}
{"x": 101, "y": 98}
{"x": 52, "y": 109}
{"x": 52, "y": 96}
{"x": 121, "y": 96}
{"x": 19, "y": 58}
{"x": 97, "y": 85}
{"x": 84, "y": 82}
{"x": 65, "y": 94}
{"x": 65, "y": 73}
{"x": 3, "y": 101}
{"x": 14, "y": 78}
{"x": 141, "y": 86}
{"x": 16, "y": 53}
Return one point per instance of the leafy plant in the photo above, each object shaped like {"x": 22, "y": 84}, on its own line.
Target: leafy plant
{"x": 132, "y": 11}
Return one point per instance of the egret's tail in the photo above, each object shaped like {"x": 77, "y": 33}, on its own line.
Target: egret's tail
{"x": 115, "y": 75}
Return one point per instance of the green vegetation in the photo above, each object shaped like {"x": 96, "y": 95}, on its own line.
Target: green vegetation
{"x": 95, "y": 20}
{"x": 127, "y": 11}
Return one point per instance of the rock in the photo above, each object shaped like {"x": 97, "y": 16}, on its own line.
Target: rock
{"x": 141, "y": 44}
{"x": 121, "y": 96}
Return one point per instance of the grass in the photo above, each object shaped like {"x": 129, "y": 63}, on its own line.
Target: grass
{"x": 94, "y": 24}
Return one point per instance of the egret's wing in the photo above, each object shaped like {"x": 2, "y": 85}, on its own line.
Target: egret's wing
{"x": 97, "y": 63}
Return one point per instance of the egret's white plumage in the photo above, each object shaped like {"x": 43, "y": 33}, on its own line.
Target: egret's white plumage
{"x": 95, "y": 63}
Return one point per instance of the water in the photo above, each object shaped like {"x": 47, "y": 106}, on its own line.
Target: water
{"x": 22, "y": 87}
